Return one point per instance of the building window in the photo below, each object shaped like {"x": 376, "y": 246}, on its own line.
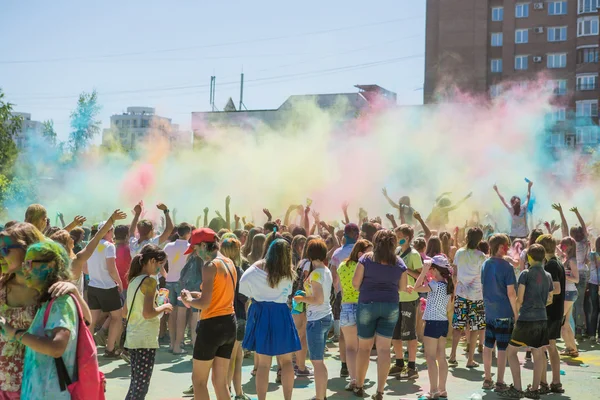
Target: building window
{"x": 587, "y": 55}
{"x": 135, "y": 123}
{"x": 557, "y": 60}
{"x": 558, "y": 114}
{"x": 521, "y": 62}
{"x": 522, "y": 10}
{"x": 521, "y": 36}
{"x": 495, "y": 90}
{"x": 587, "y": 6}
{"x": 587, "y": 134}
{"x": 557, "y": 8}
{"x": 145, "y": 123}
{"x": 587, "y": 26}
{"x": 557, "y": 34}
{"x": 497, "y": 13}
{"x": 496, "y": 65}
{"x": 558, "y": 86}
{"x": 587, "y": 82}
{"x": 587, "y": 108}
{"x": 496, "y": 39}
{"x": 557, "y": 139}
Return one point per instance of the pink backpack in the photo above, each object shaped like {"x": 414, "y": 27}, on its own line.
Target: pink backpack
{"x": 91, "y": 383}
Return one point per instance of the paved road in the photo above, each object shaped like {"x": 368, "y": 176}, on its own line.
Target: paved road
{"x": 172, "y": 375}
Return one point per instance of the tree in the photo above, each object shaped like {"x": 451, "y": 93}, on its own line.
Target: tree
{"x": 10, "y": 125}
{"x": 48, "y": 132}
{"x": 84, "y": 122}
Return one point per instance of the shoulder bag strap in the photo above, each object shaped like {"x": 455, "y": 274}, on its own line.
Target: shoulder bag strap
{"x": 63, "y": 376}
{"x": 133, "y": 301}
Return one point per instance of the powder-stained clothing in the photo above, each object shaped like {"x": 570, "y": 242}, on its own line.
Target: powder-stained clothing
{"x": 538, "y": 283}
{"x": 346, "y": 274}
{"x": 468, "y": 275}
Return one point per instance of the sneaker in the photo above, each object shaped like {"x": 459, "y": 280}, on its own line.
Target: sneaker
{"x": 396, "y": 370}
{"x": 512, "y": 393}
{"x": 242, "y": 396}
{"x": 306, "y": 373}
{"x": 344, "y": 372}
{"x": 189, "y": 392}
{"x": 358, "y": 391}
{"x": 350, "y": 386}
{"x": 409, "y": 373}
{"x": 335, "y": 339}
{"x": 501, "y": 387}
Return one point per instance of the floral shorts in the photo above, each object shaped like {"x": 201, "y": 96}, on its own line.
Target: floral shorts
{"x": 468, "y": 312}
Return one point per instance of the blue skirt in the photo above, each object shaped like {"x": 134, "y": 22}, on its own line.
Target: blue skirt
{"x": 270, "y": 329}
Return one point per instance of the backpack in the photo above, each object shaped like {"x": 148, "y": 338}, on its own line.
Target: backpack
{"x": 91, "y": 383}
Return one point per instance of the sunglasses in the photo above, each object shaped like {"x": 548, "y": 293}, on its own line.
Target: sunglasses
{"x": 4, "y": 251}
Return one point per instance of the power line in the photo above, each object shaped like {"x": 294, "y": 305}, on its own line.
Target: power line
{"x": 205, "y": 46}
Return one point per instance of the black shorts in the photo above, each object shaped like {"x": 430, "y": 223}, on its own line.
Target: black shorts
{"x": 215, "y": 337}
{"x": 106, "y": 300}
{"x": 554, "y": 327}
{"x": 241, "y": 329}
{"x": 406, "y": 327}
{"x": 530, "y": 333}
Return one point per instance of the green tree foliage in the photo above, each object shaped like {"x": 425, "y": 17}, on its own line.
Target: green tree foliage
{"x": 49, "y": 133}
{"x": 10, "y": 125}
{"x": 84, "y": 122}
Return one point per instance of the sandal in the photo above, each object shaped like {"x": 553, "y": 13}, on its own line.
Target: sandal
{"x": 556, "y": 388}
{"x": 474, "y": 365}
{"x": 452, "y": 363}
{"x": 443, "y": 395}
{"x": 278, "y": 379}
{"x": 512, "y": 393}
{"x": 532, "y": 394}
{"x": 488, "y": 384}
{"x": 358, "y": 391}
{"x": 569, "y": 353}
{"x": 178, "y": 353}
{"x": 253, "y": 373}
{"x": 500, "y": 387}
{"x": 544, "y": 388}
{"x": 377, "y": 396}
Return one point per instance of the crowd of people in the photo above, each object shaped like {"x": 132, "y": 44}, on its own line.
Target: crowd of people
{"x": 285, "y": 290}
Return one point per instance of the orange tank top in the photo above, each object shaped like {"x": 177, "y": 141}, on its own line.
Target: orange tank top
{"x": 223, "y": 294}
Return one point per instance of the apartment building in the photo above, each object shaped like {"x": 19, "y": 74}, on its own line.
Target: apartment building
{"x": 484, "y": 46}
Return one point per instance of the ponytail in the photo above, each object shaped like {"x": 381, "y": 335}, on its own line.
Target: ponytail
{"x": 135, "y": 269}
{"x": 447, "y": 275}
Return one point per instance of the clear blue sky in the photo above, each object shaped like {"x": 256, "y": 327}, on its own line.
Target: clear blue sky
{"x": 129, "y": 50}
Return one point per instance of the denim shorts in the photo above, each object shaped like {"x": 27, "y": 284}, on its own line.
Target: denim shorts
{"x": 316, "y": 336}
{"x": 174, "y": 292}
{"x": 571, "y": 295}
{"x": 380, "y": 318}
{"x": 348, "y": 314}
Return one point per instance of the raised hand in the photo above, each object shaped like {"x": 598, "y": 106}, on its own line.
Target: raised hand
{"x": 267, "y": 213}
{"x": 137, "y": 210}
{"x": 390, "y": 217}
{"x": 162, "y": 207}
{"x": 79, "y": 220}
{"x": 417, "y": 215}
{"x": 574, "y": 209}
{"x": 205, "y": 210}
{"x": 118, "y": 215}
{"x": 557, "y": 207}
{"x": 316, "y": 215}
{"x": 228, "y": 200}
{"x": 327, "y": 227}
{"x": 300, "y": 209}
{"x": 495, "y": 187}
{"x": 384, "y": 191}
{"x": 345, "y": 206}
{"x": 219, "y": 214}
{"x": 529, "y": 184}
{"x": 236, "y": 218}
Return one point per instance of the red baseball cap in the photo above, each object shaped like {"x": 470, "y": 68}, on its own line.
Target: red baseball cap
{"x": 202, "y": 235}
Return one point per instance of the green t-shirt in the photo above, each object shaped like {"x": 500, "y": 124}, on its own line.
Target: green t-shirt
{"x": 413, "y": 263}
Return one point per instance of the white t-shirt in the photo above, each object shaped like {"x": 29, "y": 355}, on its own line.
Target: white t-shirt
{"x": 99, "y": 276}
{"x": 254, "y": 285}
{"x": 468, "y": 263}
{"x": 437, "y": 302}
{"x": 135, "y": 246}
{"x": 518, "y": 226}
{"x": 176, "y": 258}
{"x": 315, "y": 312}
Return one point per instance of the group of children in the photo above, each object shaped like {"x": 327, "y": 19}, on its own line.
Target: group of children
{"x": 282, "y": 289}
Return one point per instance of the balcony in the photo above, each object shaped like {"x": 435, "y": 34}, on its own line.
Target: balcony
{"x": 586, "y": 86}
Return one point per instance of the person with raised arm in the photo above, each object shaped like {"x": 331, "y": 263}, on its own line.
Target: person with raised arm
{"x": 438, "y": 218}
{"x": 145, "y": 230}
{"x": 518, "y": 213}
{"x": 405, "y": 211}
{"x": 582, "y": 251}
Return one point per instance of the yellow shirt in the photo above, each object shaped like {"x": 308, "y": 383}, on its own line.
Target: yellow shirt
{"x": 413, "y": 263}
{"x": 346, "y": 273}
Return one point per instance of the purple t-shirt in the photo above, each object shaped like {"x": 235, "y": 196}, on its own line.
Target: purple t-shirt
{"x": 380, "y": 282}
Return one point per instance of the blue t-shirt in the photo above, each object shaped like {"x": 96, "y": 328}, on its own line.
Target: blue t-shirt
{"x": 380, "y": 282}
{"x": 496, "y": 276}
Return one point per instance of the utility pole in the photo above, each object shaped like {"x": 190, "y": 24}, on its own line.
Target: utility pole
{"x": 241, "y": 93}
{"x": 213, "y": 83}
